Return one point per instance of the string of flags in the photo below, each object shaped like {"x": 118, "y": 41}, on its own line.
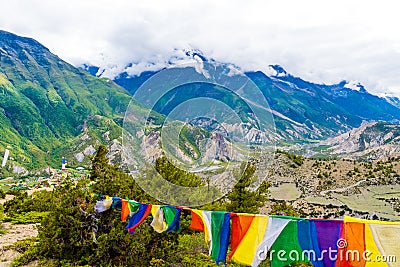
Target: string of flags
{"x": 252, "y": 238}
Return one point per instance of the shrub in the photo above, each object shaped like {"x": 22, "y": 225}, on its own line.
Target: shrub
{"x": 27, "y": 217}
{"x": 2, "y": 194}
{"x": 40, "y": 201}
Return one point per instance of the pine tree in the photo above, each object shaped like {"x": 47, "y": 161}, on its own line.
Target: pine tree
{"x": 176, "y": 175}
{"x": 100, "y": 163}
{"x": 241, "y": 199}
{"x": 66, "y": 234}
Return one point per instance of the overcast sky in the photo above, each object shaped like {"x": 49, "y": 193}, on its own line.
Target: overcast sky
{"x": 320, "y": 41}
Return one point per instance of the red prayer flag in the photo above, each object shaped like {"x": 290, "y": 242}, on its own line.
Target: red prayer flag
{"x": 240, "y": 224}
{"x": 197, "y": 222}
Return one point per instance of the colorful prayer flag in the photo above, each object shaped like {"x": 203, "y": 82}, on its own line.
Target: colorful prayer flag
{"x": 246, "y": 250}
{"x": 138, "y": 217}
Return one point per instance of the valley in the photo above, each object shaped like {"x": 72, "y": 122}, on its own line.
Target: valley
{"x": 318, "y": 151}
{"x": 327, "y": 188}
{"x": 52, "y": 109}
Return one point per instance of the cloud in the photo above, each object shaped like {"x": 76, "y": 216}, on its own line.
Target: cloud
{"x": 321, "y": 41}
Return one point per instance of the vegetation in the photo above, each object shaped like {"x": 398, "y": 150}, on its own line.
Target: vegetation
{"x": 297, "y": 160}
{"x": 26, "y": 217}
{"x": 282, "y": 208}
{"x": 40, "y": 201}
{"x": 175, "y": 175}
{"x": 71, "y": 233}
{"x": 2, "y": 231}
{"x": 241, "y": 199}
{"x": 2, "y": 194}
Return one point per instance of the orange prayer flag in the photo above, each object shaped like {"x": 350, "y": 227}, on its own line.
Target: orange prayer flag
{"x": 351, "y": 253}
{"x": 124, "y": 210}
{"x": 240, "y": 225}
{"x": 197, "y": 223}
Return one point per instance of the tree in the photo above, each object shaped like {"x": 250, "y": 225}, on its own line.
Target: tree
{"x": 73, "y": 234}
{"x": 175, "y": 175}
{"x": 100, "y": 163}
{"x": 241, "y": 199}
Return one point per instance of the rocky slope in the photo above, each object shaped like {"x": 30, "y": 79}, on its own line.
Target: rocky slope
{"x": 372, "y": 141}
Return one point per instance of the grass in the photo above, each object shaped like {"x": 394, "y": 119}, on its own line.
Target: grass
{"x": 386, "y": 191}
{"x": 286, "y": 191}
{"x": 324, "y": 201}
{"x": 365, "y": 202}
{"x": 26, "y": 217}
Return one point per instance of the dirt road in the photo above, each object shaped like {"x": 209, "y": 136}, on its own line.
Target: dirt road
{"x": 14, "y": 233}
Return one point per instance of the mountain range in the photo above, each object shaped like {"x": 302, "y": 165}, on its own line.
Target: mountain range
{"x": 302, "y": 110}
{"x": 50, "y": 108}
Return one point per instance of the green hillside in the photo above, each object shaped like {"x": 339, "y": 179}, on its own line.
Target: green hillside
{"x": 45, "y": 102}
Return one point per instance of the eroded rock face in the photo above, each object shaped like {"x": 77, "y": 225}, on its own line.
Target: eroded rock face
{"x": 90, "y": 150}
{"x": 218, "y": 148}
{"x": 18, "y": 169}
{"x": 114, "y": 152}
{"x": 150, "y": 148}
{"x": 79, "y": 156}
{"x": 372, "y": 141}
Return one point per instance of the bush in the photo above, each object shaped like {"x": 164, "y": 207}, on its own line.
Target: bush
{"x": 28, "y": 250}
{"x": 281, "y": 208}
{"x": 297, "y": 159}
{"x": 2, "y": 194}
{"x": 27, "y": 217}
{"x": 41, "y": 201}
{"x": 72, "y": 234}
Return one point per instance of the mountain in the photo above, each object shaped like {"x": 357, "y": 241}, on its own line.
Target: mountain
{"x": 395, "y": 101}
{"x": 302, "y": 110}
{"x": 47, "y": 104}
{"x": 321, "y": 110}
{"x": 371, "y": 141}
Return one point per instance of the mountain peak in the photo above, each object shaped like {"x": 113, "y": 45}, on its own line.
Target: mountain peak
{"x": 152, "y": 64}
{"x": 276, "y": 71}
{"x": 195, "y": 54}
{"x": 11, "y": 40}
{"x": 356, "y": 86}
{"x": 93, "y": 70}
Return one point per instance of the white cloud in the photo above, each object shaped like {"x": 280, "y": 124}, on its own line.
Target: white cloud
{"x": 322, "y": 41}
{"x": 353, "y": 85}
